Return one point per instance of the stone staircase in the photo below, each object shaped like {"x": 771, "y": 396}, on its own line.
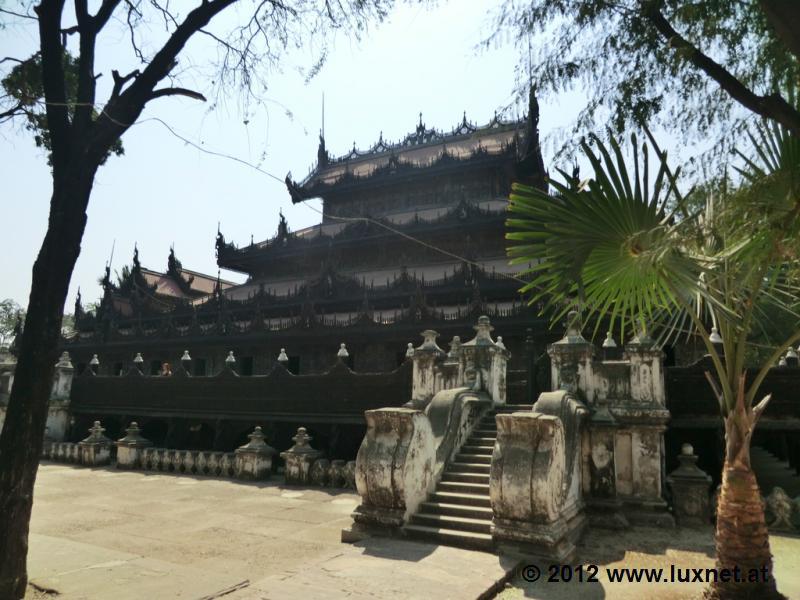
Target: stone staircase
{"x": 773, "y": 472}
{"x": 458, "y": 513}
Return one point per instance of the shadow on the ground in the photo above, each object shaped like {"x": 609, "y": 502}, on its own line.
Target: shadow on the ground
{"x": 603, "y": 547}
{"x": 396, "y": 548}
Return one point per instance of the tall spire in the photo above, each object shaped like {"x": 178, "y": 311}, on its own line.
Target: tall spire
{"x": 322, "y": 153}
{"x": 530, "y": 168}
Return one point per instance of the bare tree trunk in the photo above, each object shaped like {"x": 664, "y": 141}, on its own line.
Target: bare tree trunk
{"x": 22, "y": 436}
{"x": 742, "y": 539}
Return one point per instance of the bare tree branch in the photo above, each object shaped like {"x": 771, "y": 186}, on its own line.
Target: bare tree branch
{"x": 104, "y": 13}
{"x": 121, "y": 80}
{"x": 16, "y": 14}
{"x": 773, "y": 106}
{"x": 177, "y": 91}
{"x": 123, "y": 109}
{"x": 19, "y": 109}
{"x": 49, "y": 12}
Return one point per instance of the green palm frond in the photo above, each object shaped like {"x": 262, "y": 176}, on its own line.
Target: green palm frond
{"x": 610, "y": 247}
{"x": 627, "y": 248}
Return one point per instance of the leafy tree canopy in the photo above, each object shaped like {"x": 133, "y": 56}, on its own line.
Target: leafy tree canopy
{"x": 699, "y": 69}
{"x": 10, "y": 314}
{"x": 23, "y": 87}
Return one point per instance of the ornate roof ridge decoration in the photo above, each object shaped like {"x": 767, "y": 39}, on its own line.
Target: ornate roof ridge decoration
{"x": 220, "y": 313}
{"x": 420, "y": 138}
{"x": 175, "y": 272}
{"x": 461, "y": 212}
{"x": 423, "y": 136}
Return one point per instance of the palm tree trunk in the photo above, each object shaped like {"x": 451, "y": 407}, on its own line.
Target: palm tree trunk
{"x": 742, "y": 539}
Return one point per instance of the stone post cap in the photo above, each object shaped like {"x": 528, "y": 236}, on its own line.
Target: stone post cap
{"x": 483, "y": 331}
{"x": 301, "y": 444}
{"x": 95, "y": 361}
{"x": 410, "y": 350}
{"x": 342, "y": 353}
{"x": 231, "y": 359}
{"x": 133, "y": 437}
{"x": 64, "y": 361}
{"x": 256, "y": 445}
{"x": 283, "y": 357}
{"x": 641, "y": 342}
{"x": 429, "y": 342}
{"x": 454, "y": 354}
{"x": 138, "y": 360}
{"x": 792, "y": 359}
{"x": 609, "y": 342}
{"x": 573, "y": 334}
{"x": 96, "y": 436}
{"x": 688, "y": 470}
{"x": 185, "y": 357}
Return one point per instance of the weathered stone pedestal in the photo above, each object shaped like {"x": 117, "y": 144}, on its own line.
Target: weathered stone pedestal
{"x": 130, "y": 448}
{"x": 299, "y": 459}
{"x": 691, "y": 501}
{"x": 95, "y": 450}
{"x": 394, "y": 470}
{"x": 535, "y": 480}
{"x": 254, "y": 460}
{"x": 623, "y": 442}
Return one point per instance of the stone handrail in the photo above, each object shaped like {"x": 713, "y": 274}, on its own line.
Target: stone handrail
{"x": 535, "y": 478}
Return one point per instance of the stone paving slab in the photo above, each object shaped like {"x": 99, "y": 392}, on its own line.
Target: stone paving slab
{"x": 106, "y": 534}
{"x": 651, "y": 548}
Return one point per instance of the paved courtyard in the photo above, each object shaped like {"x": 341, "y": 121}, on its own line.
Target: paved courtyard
{"x": 107, "y": 534}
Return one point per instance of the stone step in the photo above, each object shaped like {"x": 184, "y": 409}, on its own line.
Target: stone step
{"x": 481, "y": 441}
{"x": 492, "y": 433}
{"x": 469, "y": 457}
{"x": 465, "y": 477}
{"x": 772, "y": 472}
{"x": 460, "y": 498}
{"x": 456, "y": 510}
{"x": 485, "y": 450}
{"x": 451, "y": 537}
{"x": 465, "y": 488}
{"x": 467, "y": 467}
{"x": 450, "y": 522}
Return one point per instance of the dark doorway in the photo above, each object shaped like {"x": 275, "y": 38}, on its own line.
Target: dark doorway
{"x": 246, "y": 366}
{"x": 155, "y": 431}
{"x": 293, "y": 366}
{"x": 199, "y": 367}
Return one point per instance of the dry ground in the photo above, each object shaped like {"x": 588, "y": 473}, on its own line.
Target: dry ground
{"x": 106, "y": 534}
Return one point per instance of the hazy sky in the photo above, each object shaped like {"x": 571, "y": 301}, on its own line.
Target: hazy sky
{"x": 164, "y": 191}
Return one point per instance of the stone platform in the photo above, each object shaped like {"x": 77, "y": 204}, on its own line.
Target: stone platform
{"x": 102, "y": 534}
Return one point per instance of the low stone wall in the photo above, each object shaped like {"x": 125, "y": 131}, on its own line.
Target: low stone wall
{"x": 65, "y": 452}
{"x": 332, "y": 473}
{"x": 190, "y": 462}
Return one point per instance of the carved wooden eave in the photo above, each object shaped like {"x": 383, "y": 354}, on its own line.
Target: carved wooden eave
{"x": 422, "y": 153}
{"x": 464, "y": 215}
